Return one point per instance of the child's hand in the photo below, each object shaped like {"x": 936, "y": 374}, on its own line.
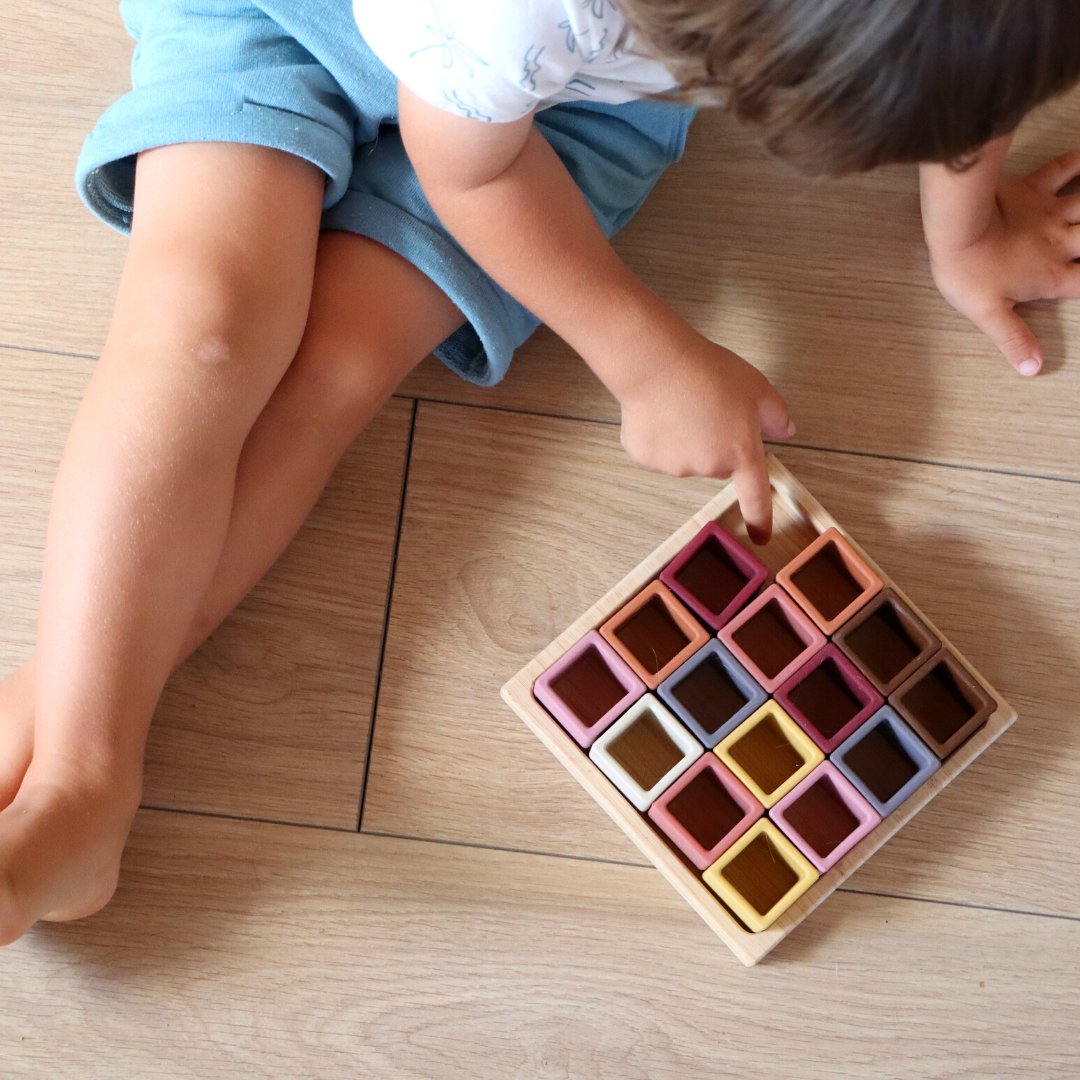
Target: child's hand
{"x": 704, "y": 414}
{"x": 1024, "y": 250}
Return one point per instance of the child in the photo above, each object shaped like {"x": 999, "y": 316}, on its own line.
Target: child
{"x": 294, "y": 253}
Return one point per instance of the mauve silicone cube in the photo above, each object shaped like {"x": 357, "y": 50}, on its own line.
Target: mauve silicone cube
{"x": 581, "y": 689}
{"x": 714, "y": 575}
{"x": 825, "y": 816}
{"x": 705, "y": 693}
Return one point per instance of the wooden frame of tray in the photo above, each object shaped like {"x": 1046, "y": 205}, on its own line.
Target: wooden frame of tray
{"x": 798, "y": 519}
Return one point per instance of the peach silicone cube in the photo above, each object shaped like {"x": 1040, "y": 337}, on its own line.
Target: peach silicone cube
{"x": 654, "y": 634}
{"x": 830, "y": 580}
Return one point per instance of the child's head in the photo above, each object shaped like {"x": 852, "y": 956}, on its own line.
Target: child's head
{"x": 844, "y": 85}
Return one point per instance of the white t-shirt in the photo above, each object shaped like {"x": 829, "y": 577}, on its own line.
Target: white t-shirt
{"x": 499, "y": 60}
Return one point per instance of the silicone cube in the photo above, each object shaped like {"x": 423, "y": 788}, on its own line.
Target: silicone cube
{"x": 828, "y": 697}
{"x": 769, "y": 753}
{"x": 712, "y": 693}
{"x": 654, "y": 634}
{"x": 588, "y": 688}
{"x": 772, "y": 638}
{"x": 829, "y": 580}
{"x": 705, "y": 811}
{"x": 825, "y": 816}
{"x": 644, "y": 751}
{"x": 885, "y": 760}
{"x": 943, "y": 702}
{"x": 887, "y": 641}
{"x": 761, "y": 875}
{"x": 714, "y": 575}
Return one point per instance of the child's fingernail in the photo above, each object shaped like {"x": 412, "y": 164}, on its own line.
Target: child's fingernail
{"x": 790, "y": 429}
{"x": 1029, "y": 367}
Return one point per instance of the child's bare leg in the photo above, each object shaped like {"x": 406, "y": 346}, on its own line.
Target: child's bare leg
{"x": 210, "y": 312}
{"x": 373, "y": 317}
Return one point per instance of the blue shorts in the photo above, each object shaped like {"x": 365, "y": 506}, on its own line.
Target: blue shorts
{"x": 296, "y": 75}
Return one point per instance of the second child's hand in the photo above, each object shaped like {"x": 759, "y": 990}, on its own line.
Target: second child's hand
{"x": 996, "y": 243}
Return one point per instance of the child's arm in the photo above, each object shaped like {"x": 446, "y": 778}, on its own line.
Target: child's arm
{"x": 995, "y": 243}
{"x": 689, "y": 406}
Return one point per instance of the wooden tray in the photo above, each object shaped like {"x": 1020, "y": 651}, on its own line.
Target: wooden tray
{"x": 798, "y": 519}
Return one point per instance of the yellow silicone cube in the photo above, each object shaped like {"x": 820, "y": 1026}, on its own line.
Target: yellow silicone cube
{"x": 770, "y": 753}
{"x": 761, "y": 875}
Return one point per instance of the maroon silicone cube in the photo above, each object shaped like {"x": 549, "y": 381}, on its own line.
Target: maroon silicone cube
{"x": 714, "y": 575}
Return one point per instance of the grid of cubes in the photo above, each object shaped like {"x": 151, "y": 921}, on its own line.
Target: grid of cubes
{"x": 765, "y": 753}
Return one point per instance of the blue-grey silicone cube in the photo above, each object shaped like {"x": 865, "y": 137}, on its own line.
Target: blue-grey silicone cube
{"x": 922, "y": 757}
{"x": 713, "y": 652}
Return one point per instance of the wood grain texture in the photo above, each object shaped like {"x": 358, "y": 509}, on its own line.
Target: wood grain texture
{"x": 61, "y": 66}
{"x": 270, "y": 718}
{"x": 794, "y": 508}
{"x": 543, "y": 507}
{"x": 242, "y": 950}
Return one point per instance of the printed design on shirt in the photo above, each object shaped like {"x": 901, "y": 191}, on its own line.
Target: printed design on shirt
{"x": 463, "y": 107}
{"x": 580, "y": 86}
{"x": 575, "y": 37}
{"x": 599, "y": 7}
{"x": 454, "y": 51}
{"x": 532, "y": 65}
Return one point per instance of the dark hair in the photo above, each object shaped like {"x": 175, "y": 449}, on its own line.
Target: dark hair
{"x": 839, "y": 86}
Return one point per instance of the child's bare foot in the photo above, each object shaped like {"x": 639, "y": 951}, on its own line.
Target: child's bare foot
{"x": 60, "y": 844}
{"x": 16, "y": 730}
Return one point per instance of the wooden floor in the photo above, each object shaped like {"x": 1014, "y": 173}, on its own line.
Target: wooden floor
{"x": 354, "y": 860}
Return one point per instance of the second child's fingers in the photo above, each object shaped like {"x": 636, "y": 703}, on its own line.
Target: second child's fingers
{"x": 755, "y": 497}
{"x": 1054, "y": 175}
{"x": 1014, "y": 338}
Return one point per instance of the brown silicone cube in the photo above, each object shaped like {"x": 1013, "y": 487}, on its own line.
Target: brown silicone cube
{"x": 943, "y": 702}
{"x": 886, "y": 641}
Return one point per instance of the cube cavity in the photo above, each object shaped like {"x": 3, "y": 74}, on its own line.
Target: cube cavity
{"x": 761, "y": 875}
{"x": 705, "y": 811}
{"x": 829, "y": 580}
{"x": 712, "y": 693}
{"x": 769, "y": 753}
{"x": 943, "y": 702}
{"x": 772, "y": 638}
{"x": 885, "y": 760}
{"x": 714, "y": 575}
{"x": 588, "y": 688}
{"x": 654, "y": 634}
{"x": 644, "y": 751}
{"x": 825, "y": 816}
{"x": 887, "y": 641}
{"x": 828, "y": 697}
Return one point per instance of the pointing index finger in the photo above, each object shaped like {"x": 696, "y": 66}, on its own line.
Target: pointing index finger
{"x": 754, "y": 489}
